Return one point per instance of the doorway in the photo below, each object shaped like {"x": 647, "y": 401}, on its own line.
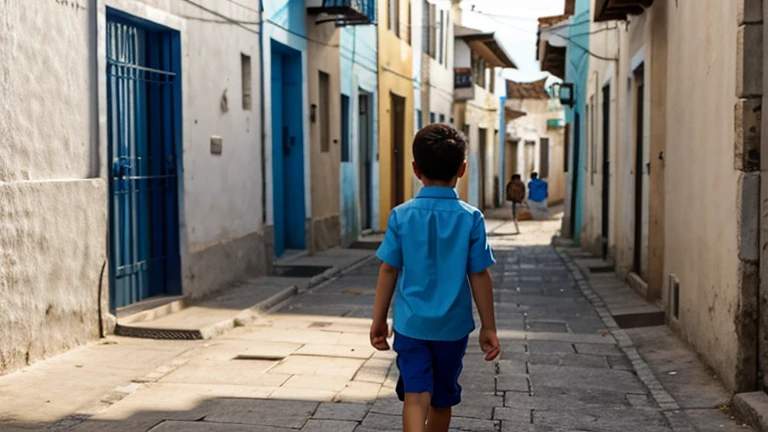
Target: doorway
{"x": 287, "y": 150}
{"x": 366, "y": 160}
{"x": 482, "y": 144}
{"x": 144, "y": 138}
{"x": 637, "y": 262}
{"x": 605, "y": 221}
{"x": 398, "y": 149}
{"x": 575, "y": 174}
{"x": 530, "y": 160}
{"x": 510, "y": 160}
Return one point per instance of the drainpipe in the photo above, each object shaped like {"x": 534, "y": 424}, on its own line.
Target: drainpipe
{"x": 261, "y": 112}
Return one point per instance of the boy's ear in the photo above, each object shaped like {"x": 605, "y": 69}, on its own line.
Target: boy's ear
{"x": 416, "y": 170}
{"x": 462, "y": 170}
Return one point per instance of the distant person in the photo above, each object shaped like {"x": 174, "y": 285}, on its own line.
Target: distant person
{"x": 537, "y": 197}
{"x": 435, "y": 257}
{"x": 516, "y": 194}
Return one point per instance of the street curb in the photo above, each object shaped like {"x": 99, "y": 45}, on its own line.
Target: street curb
{"x": 753, "y": 408}
{"x": 663, "y": 399}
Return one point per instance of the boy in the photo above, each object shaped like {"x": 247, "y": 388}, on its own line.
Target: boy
{"x": 434, "y": 250}
{"x": 537, "y": 197}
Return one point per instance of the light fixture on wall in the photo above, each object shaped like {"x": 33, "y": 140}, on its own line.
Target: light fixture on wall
{"x": 313, "y": 113}
{"x": 565, "y": 92}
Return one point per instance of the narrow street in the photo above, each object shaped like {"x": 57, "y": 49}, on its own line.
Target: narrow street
{"x": 309, "y": 366}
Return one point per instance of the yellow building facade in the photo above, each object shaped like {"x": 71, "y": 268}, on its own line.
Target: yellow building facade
{"x": 395, "y": 105}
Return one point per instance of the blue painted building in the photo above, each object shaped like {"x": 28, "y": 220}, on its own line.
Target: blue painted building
{"x": 359, "y": 111}
{"x": 286, "y": 124}
{"x": 576, "y": 72}
{"x": 563, "y": 50}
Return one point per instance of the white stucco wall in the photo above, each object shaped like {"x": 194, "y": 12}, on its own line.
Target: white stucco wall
{"x": 52, "y": 213}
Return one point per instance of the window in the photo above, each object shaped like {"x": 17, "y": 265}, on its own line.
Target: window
{"x": 593, "y": 138}
{"x": 419, "y": 120}
{"x": 441, "y": 36}
{"x": 431, "y": 118}
{"x": 247, "y": 78}
{"x": 566, "y": 147}
{"x": 394, "y": 16}
{"x": 408, "y": 26}
{"x": 478, "y": 70}
{"x": 324, "y": 110}
{"x": 442, "y": 118}
{"x": 346, "y": 154}
{"x": 432, "y": 31}
{"x": 544, "y": 158}
{"x": 425, "y": 29}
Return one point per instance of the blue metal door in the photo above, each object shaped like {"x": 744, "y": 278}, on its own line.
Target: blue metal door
{"x": 287, "y": 149}
{"x": 143, "y": 99}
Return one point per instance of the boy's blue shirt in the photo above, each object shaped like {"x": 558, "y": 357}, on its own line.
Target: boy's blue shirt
{"x": 436, "y": 241}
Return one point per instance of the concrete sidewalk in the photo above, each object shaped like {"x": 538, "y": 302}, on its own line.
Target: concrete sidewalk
{"x": 309, "y": 367}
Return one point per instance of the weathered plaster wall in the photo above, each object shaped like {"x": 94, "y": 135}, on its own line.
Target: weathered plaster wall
{"x": 52, "y": 217}
{"x": 52, "y": 253}
{"x": 395, "y": 69}
{"x": 323, "y": 56}
{"x": 221, "y": 199}
{"x": 700, "y": 246}
{"x": 46, "y": 80}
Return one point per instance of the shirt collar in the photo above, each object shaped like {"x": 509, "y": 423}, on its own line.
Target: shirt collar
{"x": 438, "y": 192}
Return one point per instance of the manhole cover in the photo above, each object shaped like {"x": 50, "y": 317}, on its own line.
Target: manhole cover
{"x": 300, "y": 271}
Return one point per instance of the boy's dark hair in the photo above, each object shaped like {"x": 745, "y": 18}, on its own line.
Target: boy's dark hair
{"x": 439, "y": 150}
{"x": 515, "y": 177}
{"x": 534, "y": 176}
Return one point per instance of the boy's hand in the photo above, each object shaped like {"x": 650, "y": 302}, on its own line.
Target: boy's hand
{"x": 489, "y": 343}
{"x": 379, "y": 333}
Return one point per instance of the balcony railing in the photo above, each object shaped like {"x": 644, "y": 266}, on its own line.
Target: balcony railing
{"x": 343, "y": 12}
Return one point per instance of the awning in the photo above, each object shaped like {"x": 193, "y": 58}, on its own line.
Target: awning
{"x": 486, "y": 46}
{"x": 610, "y": 10}
{"x": 552, "y": 43}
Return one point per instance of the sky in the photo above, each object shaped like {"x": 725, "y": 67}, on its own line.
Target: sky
{"x": 515, "y": 23}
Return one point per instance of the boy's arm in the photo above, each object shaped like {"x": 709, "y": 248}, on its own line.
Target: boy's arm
{"x": 480, "y": 258}
{"x": 482, "y": 291}
{"x": 391, "y": 254}
{"x": 385, "y": 288}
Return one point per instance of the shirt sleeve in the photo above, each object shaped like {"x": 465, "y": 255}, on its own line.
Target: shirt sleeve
{"x": 391, "y": 249}
{"x": 480, "y": 253}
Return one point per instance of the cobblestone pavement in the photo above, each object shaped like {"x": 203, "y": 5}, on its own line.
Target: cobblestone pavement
{"x": 309, "y": 366}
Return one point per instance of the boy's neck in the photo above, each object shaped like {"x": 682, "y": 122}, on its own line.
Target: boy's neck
{"x": 439, "y": 183}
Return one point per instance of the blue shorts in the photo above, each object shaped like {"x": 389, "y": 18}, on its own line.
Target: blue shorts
{"x": 430, "y": 366}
